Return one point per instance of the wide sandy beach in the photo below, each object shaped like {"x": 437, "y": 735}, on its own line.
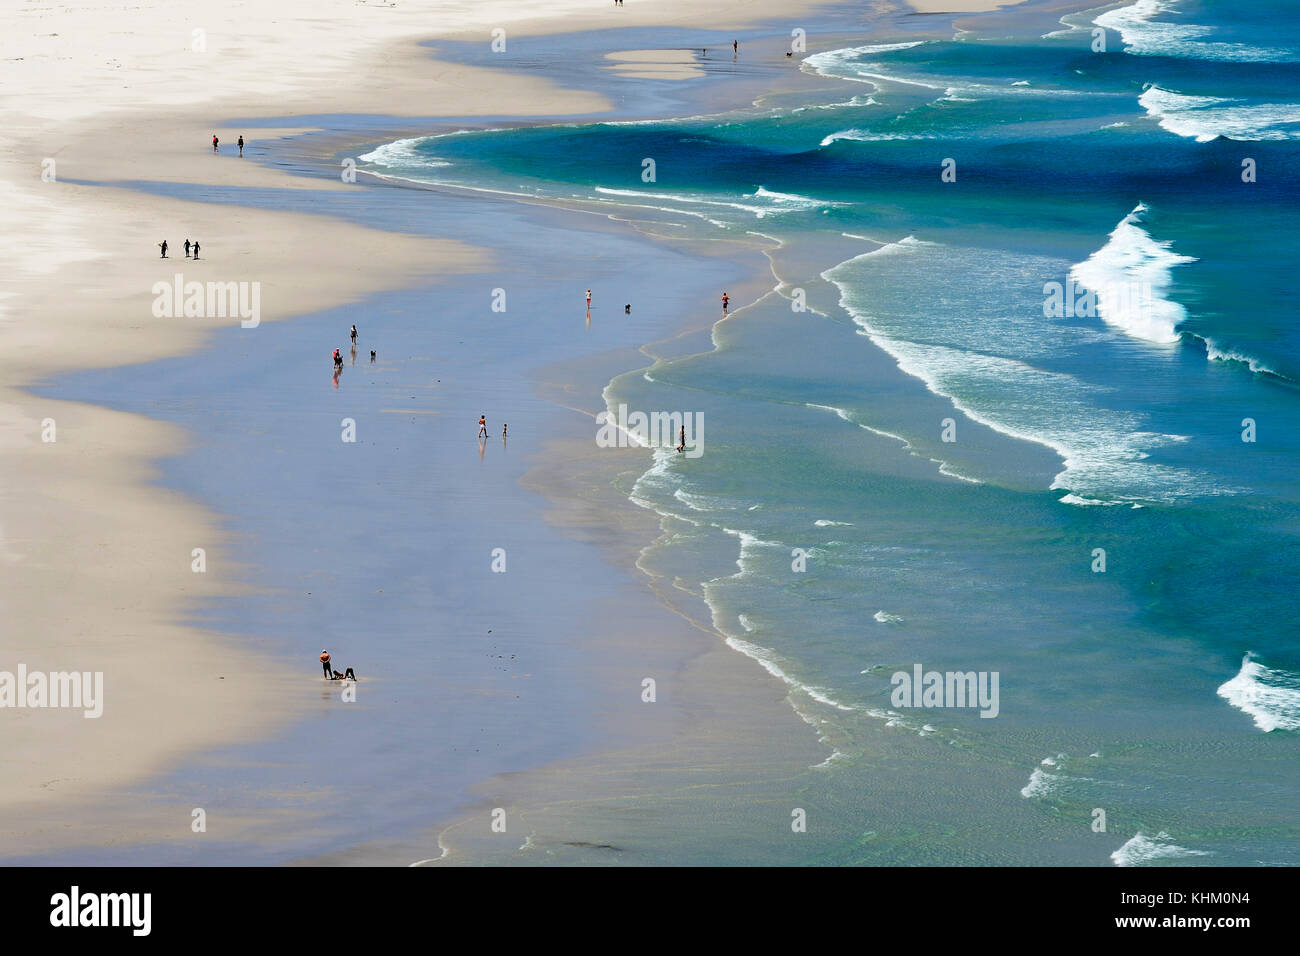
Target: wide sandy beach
{"x": 105, "y": 99}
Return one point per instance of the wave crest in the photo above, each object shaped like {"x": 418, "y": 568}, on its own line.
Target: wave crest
{"x": 1270, "y": 696}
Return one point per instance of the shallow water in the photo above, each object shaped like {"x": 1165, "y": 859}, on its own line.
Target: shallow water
{"x": 383, "y": 549}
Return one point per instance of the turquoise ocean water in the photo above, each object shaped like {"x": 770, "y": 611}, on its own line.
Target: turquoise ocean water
{"x": 1071, "y": 256}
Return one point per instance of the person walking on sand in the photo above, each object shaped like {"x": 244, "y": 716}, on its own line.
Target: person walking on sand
{"x": 681, "y": 441}
{"x": 240, "y": 144}
{"x": 482, "y": 426}
{"x": 504, "y": 429}
{"x": 354, "y": 336}
{"x": 589, "y": 298}
{"x": 196, "y": 249}
{"x": 325, "y": 663}
{"x": 735, "y": 48}
{"x": 214, "y": 142}
{"x": 187, "y": 248}
{"x": 726, "y": 299}
{"x": 163, "y": 246}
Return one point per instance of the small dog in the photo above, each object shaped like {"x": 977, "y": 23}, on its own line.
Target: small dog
{"x": 372, "y": 355}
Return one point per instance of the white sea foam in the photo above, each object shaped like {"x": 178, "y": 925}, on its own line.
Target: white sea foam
{"x": 1046, "y": 782}
{"x": 893, "y": 718}
{"x": 1104, "y": 451}
{"x": 763, "y": 202}
{"x": 827, "y": 523}
{"x": 1082, "y": 502}
{"x": 860, "y": 100}
{"x": 884, "y": 617}
{"x": 788, "y": 202}
{"x": 944, "y": 467}
{"x": 1142, "y": 849}
{"x": 689, "y": 500}
{"x": 657, "y": 482}
{"x": 853, "y": 63}
{"x": 845, "y": 63}
{"x": 1069, "y": 28}
{"x": 767, "y": 659}
{"x": 401, "y": 152}
{"x": 835, "y": 755}
{"x": 698, "y": 502}
{"x": 1204, "y": 118}
{"x": 1270, "y": 696}
{"x": 1130, "y": 276}
{"x": 1099, "y": 449}
{"x": 1218, "y": 353}
{"x": 901, "y": 245}
{"x": 1144, "y": 34}
{"x": 405, "y": 152}
{"x": 861, "y": 65}
{"x": 625, "y": 205}
{"x": 1040, "y": 783}
{"x": 947, "y": 470}
{"x": 624, "y": 194}
{"x": 867, "y": 136}
{"x": 765, "y": 193}
{"x": 749, "y": 545}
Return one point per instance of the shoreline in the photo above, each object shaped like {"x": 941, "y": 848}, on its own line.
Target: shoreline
{"x": 131, "y": 442}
